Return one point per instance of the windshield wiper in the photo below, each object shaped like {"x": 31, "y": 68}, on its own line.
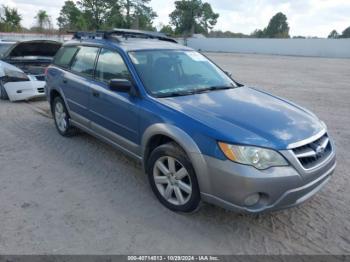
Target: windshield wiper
{"x": 195, "y": 91}
{"x": 172, "y": 94}
{"x": 212, "y": 88}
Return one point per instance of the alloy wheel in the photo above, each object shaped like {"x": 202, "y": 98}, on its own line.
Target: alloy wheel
{"x": 172, "y": 180}
{"x": 60, "y": 117}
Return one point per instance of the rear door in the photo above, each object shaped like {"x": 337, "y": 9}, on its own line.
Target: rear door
{"x": 114, "y": 114}
{"x": 76, "y": 83}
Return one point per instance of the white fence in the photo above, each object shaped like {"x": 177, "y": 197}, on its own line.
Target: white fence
{"x": 337, "y": 48}
{"x": 31, "y": 36}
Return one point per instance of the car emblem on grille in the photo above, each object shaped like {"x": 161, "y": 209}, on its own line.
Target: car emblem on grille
{"x": 319, "y": 150}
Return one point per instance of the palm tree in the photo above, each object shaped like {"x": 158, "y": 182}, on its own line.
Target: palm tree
{"x": 10, "y": 20}
{"x": 43, "y": 20}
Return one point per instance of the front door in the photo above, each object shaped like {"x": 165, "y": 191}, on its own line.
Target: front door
{"x": 114, "y": 114}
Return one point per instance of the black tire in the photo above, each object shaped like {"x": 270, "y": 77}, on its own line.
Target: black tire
{"x": 68, "y": 129}
{"x": 174, "y": 151}
{"x": 3, "y": 93}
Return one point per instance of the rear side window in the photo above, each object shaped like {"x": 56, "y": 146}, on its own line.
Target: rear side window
{"x": 111, "y": 65}
{"x": 84, "y": 61}
{"x": 64, "y": 56}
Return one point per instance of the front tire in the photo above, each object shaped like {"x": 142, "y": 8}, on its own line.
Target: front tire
{"x": 3, "y": 93}
{"x": 61, "y": 117}
{"x": 172, "y": 178}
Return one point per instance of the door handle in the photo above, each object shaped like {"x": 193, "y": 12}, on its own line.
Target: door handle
{"x": 95, "y": 93}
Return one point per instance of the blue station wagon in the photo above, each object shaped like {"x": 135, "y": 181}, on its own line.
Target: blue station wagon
{"x": 199, "y": 134}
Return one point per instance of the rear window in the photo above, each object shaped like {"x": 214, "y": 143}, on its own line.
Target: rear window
{"x": 40, "y": 48}
{"x": 64, "y": 56}
{"x": 84, "y": 61}
{"x": 4, "y": 47}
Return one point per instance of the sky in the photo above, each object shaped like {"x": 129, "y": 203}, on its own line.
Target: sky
{"x": 305, "y": 17}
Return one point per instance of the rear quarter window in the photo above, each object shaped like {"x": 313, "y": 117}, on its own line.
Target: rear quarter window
{"x": 64, "y": 56}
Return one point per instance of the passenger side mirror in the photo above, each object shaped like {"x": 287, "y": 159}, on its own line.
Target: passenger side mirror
{"x": 120, "y": 85}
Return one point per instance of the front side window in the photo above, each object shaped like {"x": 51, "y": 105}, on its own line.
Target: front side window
{"x": 110, "y": 65}
{"x": 64, "y": 56}
{"x": 84, "y": 61}
{"x": 166, "y": 72}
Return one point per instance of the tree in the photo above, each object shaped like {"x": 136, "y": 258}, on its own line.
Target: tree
{"x": 167, "y": 29}
{"x": 71, "y": 18}
{"x": 226, "y": 34}
{"x": 10, "y": 19}
{"x": 43, "y": 20}
{"x": 95, "y": 12}
{"x": 346, "y": 33}
{"x": 106, "y": 14}
{"x": 277, "y": 27}
{"x": 138, "y": 14}
{"x": 333, "y": 34}
{"x": 258, "y": 33}
{"x": 114, "y": 18}
{"x": 209, "y": 18}
{"x": 193, "y": 16}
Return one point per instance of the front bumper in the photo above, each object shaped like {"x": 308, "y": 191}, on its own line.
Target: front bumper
{"x": 278, "y": 187}
{"x": 25, "y": 90}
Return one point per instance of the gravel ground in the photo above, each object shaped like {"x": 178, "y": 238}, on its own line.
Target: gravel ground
{"x": 80, "y": 196}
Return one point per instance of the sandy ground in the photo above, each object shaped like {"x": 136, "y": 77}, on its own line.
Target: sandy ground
{"x": 80, "y": 196}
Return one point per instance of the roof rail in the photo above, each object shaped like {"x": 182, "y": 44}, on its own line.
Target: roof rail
{"x": 131, "y": 33}
{"x": 87, "y": 35}
{"x": 125, "y": 33}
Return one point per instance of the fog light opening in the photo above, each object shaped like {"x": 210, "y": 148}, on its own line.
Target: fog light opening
{"x": 252, "y": 199}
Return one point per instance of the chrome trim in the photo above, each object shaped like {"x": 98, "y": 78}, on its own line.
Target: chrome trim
{"x": 295, "y": 162}
{"x": 307, "y": 153}
{"x": 331, "y": 155}
{"x": 311, "y": 152}
{"x": 324, "y": 144}
{"x": 307, "y": 140}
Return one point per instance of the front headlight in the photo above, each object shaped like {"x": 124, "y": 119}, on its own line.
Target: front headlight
{"x": 15, "y": 76}
{"x": 260, "y": 158}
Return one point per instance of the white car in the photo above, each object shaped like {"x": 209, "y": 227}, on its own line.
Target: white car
{"x": 22, "y": 68}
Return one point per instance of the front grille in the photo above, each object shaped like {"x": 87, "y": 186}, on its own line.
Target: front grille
{"x": 41, "y": 90}
{"x": 314, "y": 153}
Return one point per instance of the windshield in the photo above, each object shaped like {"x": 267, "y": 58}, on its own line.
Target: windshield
{"x": 172, "y": 72}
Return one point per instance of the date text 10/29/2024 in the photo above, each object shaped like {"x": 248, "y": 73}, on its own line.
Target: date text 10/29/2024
{"x": 173, "y": 258}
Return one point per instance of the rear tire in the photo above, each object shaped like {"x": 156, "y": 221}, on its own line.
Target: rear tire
{"x": 61, "y": 117}
{"x": 3, "y": 93}
{"x": 172, "y": 178}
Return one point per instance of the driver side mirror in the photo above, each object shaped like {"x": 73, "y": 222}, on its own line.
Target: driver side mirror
{"x": 120, "y": 85}
{"x": 228, "y": 74}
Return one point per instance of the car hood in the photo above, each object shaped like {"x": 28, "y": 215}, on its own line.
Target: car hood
{"x": 248, "y": 116}
{"x": 35, "y": 48}
{"x": 6, "y": 66}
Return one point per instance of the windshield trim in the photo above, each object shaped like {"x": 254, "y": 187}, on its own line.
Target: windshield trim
{"x": 193, "y": 92}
